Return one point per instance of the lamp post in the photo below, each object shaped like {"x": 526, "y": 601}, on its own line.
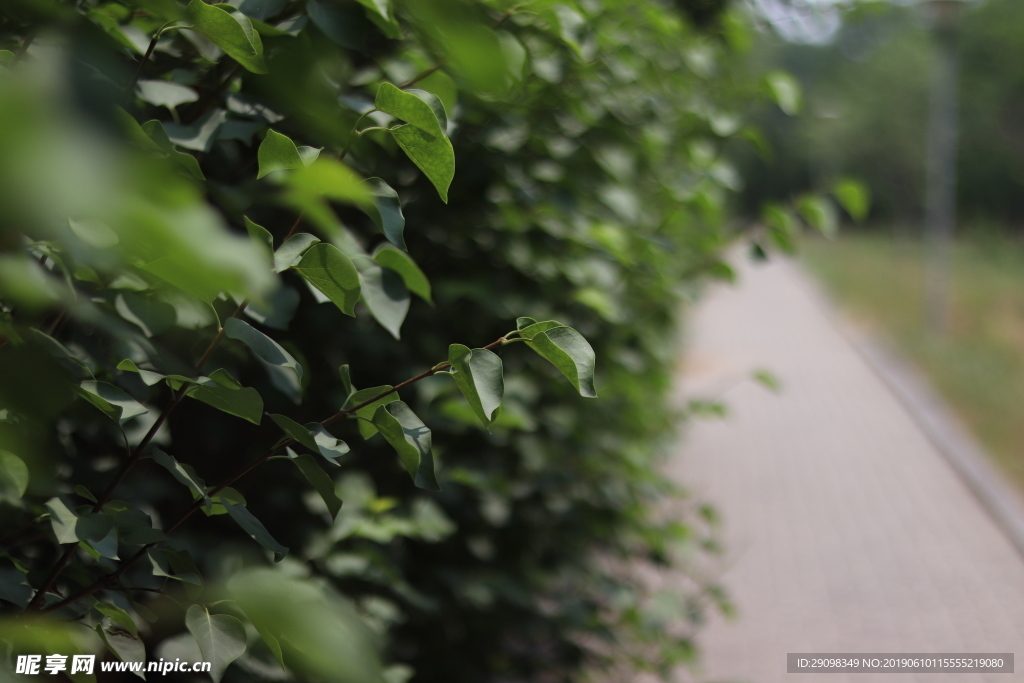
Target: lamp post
{"x": 940, "y": 202}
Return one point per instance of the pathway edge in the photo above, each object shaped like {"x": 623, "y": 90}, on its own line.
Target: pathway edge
{"x": 935, "y": 419}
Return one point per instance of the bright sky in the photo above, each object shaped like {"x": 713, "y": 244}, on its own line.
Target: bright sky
{"x": 806, "y": 21}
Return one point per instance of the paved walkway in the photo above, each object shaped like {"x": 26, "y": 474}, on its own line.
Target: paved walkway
{"x": 846, "y": 529}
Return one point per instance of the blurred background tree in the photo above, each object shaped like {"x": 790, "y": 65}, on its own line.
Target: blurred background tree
{"x": 151, "y": 157}
{"x": 865, "y": 72}
{"x": 866, "y": 114}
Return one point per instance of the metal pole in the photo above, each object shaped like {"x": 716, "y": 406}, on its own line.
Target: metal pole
{"x": 942, "y": 148}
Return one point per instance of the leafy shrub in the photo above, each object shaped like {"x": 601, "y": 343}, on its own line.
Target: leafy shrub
{"x": 210, "y": 209}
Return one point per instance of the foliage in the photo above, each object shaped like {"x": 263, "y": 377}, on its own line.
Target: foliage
{"x": 234, "y": 204}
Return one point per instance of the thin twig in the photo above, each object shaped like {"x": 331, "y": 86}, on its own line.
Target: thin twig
{"x": 127, "y": 465}
{"x": 23, "y": 527}
{"x": 423, "y": 74}
{"x": 138, "y": 70}
{"x": 209, "y": 96}
{"x": 56, "y": 322}
{"x": 23, "y": 48}
{"x": 108, "y": 579}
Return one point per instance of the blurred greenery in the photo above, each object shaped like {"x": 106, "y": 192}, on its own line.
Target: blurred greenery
{"x": 866, "y": 114}
{"x": 554, "y": 160}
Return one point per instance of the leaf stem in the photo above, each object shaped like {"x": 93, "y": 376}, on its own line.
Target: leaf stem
{"x": 423, "y": 74}
{"x": 354, "y": 134}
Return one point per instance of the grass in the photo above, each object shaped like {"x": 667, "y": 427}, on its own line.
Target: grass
{"x": 979, "y": 366}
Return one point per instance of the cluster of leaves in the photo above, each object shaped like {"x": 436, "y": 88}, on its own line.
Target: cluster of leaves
{"x": 160, "y": 166}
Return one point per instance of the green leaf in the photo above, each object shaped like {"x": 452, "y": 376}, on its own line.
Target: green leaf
{"x": 328, "y": 269}
{"x": 441, "y": 84}
{"x": 570, "y": 26}
{"x": 478, "y": 373}
{"x": 277, "y": 152}
{"x": 289, "y": 253}
{"x": 402, "y": 263}
{"x": 183, "y": 473}
{"x": 524, "y": 322}
{"x": 323, "y": 484}
{"x": 783, "y": 226}
{"x": 231, "y": 32}
{"x": 14, "y": 585}
{"x": 148, "y": 313}
{"x": 331, "y": 179}
{"x": 165, "y": 93}
{"x": 85, "y": 493}
{"x": 135, "y": 527}
{"x": 226, "y": 495}
{"x": 567, "y": 350}
{"x": 410, "y": 108}
{"x": 411, "y": 439}
{"x": 153, "y": 137}
{"x": 313, "y": 436}
{"x": 386, "y": 211}
{"x": 95, "y": 529}
{"x": 296, "y": 431}
{"x": 63, "y": 521}
{"x": 256, "y": 530}
{"x": 118, "y": 616}
{"x": 366, "y": 428}
{"x": 266, "y": 349}
{"x": 436, "y": 106}
{"x": 384, "y": 293}
{"x": 245, "y": 403}
{"x": 528, "y": 327}
{"x": 786, "y": 91}
{"x": 433, "y": 154}
{"x": 223, "y": 378}
{"x": 854, "y": 197}
{"x": 221, "y": 638}
{"x": 336, "y": 21}
{"x": 173, "y": 564}
{"x": 158, "y": 134}
{"x": 198, "y": 135}
{"x": 768, "y": 380}
{"x": 150, "y": 377}
{"x": 112, "y": 402}
{"x": 329, "y": 642}
{"x": 6, "y": 58}
{"x": 330, "y": 447}
{"x": 125, "y": 648}
{"x": 820, "y": 214}
{"x": 260, "y": 236}
{"x": 381, "y": 14}
{"x": 13, "y": 477}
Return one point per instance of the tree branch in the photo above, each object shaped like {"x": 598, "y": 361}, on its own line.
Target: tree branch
{"x": 107, "y": 579}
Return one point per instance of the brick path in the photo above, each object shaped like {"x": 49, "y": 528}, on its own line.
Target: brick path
{"x": 846, "y": 529}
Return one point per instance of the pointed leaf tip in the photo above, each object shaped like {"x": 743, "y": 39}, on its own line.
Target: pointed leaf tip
{"x": 568, "y": 351}
{"x": 411, "y": 439}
